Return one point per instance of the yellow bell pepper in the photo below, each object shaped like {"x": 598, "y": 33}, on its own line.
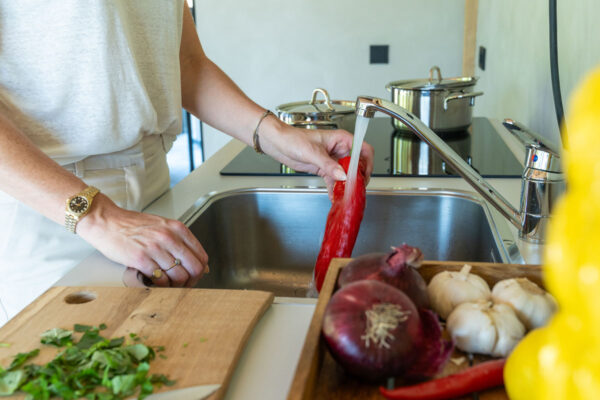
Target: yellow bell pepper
{"x": 562, "y": 359}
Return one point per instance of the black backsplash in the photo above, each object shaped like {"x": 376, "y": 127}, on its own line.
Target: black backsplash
{"x": 401, "y": 153}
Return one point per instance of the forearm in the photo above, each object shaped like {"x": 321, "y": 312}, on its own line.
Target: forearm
{"x": 209, "y": 94}
{"x": 30, "y": 176}
{"x": 146, "y": 242}
{"x": 212, "y": 97}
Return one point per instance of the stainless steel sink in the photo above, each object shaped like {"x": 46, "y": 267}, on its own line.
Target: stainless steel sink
{"x": 268, "y": 239}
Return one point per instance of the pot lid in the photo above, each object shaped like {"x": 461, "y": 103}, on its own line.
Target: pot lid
{"x": 434, "y": 83}
{"x": 316, "y": 107}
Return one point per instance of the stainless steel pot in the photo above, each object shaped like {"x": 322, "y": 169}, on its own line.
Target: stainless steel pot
{"x": 444, "y": 105}
{"x": 412, "y": 156}
{"x": 319, "y": 114}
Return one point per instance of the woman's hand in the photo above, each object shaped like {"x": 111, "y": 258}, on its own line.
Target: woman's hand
{"x": 146, "y": 242}
{"x": 314, "y": 151}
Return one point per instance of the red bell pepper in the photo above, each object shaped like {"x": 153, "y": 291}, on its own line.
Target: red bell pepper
{"x": 343, "y": 221}
{"x": 482, "y": 376}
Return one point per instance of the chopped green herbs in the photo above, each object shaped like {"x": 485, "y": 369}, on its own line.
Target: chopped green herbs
{"x": 4, "y": 344}
{"x": 22, "y": 358}
{"x": 57, "y": 337}
{"x": 10, "y": 381}
{"x": 94, "y": 367}
{"x": 135, "y": 337}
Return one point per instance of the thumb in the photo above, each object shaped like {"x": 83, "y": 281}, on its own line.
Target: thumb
{"x": 332, "y": 170}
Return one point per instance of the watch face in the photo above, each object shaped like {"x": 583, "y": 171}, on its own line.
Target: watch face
{"x": 78, "y": 204}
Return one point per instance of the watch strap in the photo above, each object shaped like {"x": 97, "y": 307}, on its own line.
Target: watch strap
{"x": 71, "y": 222}
{"x": 89, "y": 191}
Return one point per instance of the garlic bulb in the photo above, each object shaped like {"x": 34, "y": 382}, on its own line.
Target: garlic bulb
{"x": 448, "y": 289}
{"x": 485, "y": 328}
{"x": 533, "y": 305}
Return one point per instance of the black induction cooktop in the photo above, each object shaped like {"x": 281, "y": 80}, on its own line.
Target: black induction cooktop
{"x": 402, "y": 153}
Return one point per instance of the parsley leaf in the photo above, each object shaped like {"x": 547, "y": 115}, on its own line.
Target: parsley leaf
{"x": 94, "y": 367}
{"x": 57, "y": 337}
{"x": 22, "y": 358}
{"x": 10, "y": 381}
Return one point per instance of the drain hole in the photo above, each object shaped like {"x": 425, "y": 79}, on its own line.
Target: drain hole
{"x": 80, "y": 297}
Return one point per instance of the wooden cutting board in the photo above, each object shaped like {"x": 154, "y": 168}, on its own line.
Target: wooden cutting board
{"x": 203, "y": 331}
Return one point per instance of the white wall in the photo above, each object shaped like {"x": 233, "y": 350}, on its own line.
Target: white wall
{"x": 278, "y": 51}
{"x": 516, "y": 80}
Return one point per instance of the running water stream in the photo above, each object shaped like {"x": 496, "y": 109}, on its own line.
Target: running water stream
{"x": 360, "y": 129}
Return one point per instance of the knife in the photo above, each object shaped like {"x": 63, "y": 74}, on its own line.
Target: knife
{"x": 190, "y": 393}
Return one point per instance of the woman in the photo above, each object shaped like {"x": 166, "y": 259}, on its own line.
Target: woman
{"x": 89, "y": 105}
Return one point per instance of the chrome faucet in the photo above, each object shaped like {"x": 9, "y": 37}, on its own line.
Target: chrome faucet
{"x": 542, "y": 179}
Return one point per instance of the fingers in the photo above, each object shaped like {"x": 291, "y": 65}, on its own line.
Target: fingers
{"x": 332, "y": 170}
{"x": 179, "y": 276}
{"x": 150, "y": 244}
{"x": 180, "y": 256}
{"x": 195, "y": 247}
{"x": 168, "y": 253}
{"x": 152, "y": 270}
{"x": 194, "y": 259}
{"x": 338, "y": 144}
{"x": 188, "y": 271}
{"x": 166, "y": 269}
{"x": 330, "y": 183}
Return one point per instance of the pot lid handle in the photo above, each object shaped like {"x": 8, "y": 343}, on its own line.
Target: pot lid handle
{"x": 439, "y": 74}
{"x": 325, "y": 94}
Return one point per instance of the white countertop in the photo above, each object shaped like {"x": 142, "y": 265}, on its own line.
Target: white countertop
{"x": 268, "y": 362}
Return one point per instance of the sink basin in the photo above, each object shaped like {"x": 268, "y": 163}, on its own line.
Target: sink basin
{"x": 269, "y": 239}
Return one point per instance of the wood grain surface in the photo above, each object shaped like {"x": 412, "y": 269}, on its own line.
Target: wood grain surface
{"x": 318, "y": 376}
{"x": 470, "y": 37}
{"x": 203, "y": 331}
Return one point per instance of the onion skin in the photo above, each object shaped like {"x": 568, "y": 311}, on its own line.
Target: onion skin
{"x": 416, "y": 348}
{"x": 434, "y": 352}
{"x": 397, "y": 268}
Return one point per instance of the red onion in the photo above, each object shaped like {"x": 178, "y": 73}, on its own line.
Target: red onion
{"x": 375, "y": 331}
{"x": 397, "y": 268}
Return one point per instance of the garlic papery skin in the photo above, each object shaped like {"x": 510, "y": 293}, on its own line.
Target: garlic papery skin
{"x": 532, "y": 304}
{"x": 485, "y": 328}
{"x": 448, "y": 289}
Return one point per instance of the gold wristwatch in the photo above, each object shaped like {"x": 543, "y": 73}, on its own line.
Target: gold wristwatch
{"x": 78, "y": 206}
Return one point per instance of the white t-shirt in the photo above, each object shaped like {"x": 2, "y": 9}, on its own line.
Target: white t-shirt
{"x": 90, "y": 77}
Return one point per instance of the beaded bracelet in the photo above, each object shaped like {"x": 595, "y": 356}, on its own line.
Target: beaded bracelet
{"x": 255, "y": 138}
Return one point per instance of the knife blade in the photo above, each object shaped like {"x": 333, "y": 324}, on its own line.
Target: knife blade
{"x": 190, "y": 393}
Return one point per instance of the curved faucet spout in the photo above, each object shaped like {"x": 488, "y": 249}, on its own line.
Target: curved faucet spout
{"x": 368, "y": 106}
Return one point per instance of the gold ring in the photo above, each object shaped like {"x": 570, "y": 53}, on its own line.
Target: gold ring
{"x": 157, "y": 273}
{"x": 176, "y": 262}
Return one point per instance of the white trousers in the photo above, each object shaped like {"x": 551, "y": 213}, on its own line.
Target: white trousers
{"x": 35, "y": 252}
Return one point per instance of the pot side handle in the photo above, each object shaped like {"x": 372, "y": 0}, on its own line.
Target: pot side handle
{"x": 471, "y": 95}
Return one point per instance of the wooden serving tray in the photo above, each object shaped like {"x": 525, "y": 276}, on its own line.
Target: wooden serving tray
{"x": 318, "y": 376}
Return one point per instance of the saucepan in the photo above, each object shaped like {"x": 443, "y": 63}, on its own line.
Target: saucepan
{"x": 319, "y": 114}
{"x": 443, "y": 104}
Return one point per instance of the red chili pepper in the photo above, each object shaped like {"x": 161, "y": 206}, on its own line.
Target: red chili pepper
{"x": 343, "y": 221}
{"x": 482, "y": 376}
